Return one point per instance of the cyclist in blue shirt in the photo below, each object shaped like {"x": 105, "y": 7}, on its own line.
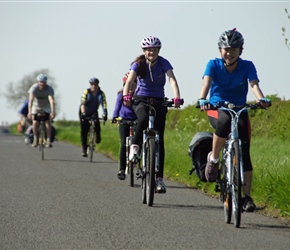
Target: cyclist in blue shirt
{"x": 91, "y": 100}
{"x": 24, "y": 121}
{"x": 227, "y": 79}
{"x": 151, "y": 71}
{"x": 125, "y": 113}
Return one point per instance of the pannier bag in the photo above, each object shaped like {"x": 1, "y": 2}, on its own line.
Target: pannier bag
{"x": 199, "y": 147}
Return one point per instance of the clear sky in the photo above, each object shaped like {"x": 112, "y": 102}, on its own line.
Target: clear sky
{"x": 77, "y": 40}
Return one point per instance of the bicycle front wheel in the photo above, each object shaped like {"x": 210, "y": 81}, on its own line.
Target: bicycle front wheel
{"x": 150, "y": 171}
{"x": 41, "y": 137}
{"x": 236, "y": 185}
{"x": 92, "y": 144}
{"x": 225, "y": 195}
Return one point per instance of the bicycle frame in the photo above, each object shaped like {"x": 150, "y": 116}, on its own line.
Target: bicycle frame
{"x": 92, "y": 134}
{"x": 150, "y": 151}
{"x": 232, "y": 166}
{"x": 41, "y": 132}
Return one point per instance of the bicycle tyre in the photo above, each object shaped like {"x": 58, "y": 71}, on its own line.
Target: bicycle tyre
{"x": 150, "y": 171}
{"x": 131, "y": 173}
{"x": 225, "y": 194}
{"x": 237, "y": 186}
{"x": 92, "y": 144}
{"x": 144, "y": 188}
{"x": 41, "y": 137}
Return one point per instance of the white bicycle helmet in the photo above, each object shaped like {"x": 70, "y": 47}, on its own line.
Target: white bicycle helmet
{"x": 41, "y": 78}
{"x": 150, "y": 42}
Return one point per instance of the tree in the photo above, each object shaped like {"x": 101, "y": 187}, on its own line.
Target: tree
{"x": 17, "y": 93}
{"x": 284, "y": 32}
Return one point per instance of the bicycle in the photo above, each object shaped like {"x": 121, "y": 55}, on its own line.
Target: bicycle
{"x": 92, "y": 135}
{"x": 150, "y": 151}
{"x": 135, "y": 162}
{"x": 231, "y": 171}
{"x": 41, "y": 133}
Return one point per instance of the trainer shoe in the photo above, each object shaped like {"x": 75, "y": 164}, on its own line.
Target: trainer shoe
{"x": 121, "y": 175}
{"x": 211, "y": 169}
{"x": 134, "y": 150}
{"x": 34, "y": 145}
{"x": 248, "y": 204}
{"x": 48, "y": 145}
{"x": 84, "y": 154}
{"x": 160, "y": 186}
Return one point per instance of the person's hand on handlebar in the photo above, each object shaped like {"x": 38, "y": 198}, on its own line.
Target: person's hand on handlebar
{"x": 177, "y": 102}
{"x": 265, "y": 102}
{"x": 127, "y": 99}
{"x": 203, "y": 104}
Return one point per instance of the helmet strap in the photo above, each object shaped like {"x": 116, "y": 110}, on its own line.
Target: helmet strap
{"x": 231, "y": 64}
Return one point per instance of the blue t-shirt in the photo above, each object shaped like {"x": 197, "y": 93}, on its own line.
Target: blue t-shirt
{"x": 231, "y": 87}
{"x": 24, "y": 109}
{"x": 148, "y": 88}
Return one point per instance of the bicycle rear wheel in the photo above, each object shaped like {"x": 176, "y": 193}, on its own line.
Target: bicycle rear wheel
{"x": 92, "y": 144}
{"x": 150, "y": 171}
{"x": 236, "y": 185}
{"x": 131, "y": 173}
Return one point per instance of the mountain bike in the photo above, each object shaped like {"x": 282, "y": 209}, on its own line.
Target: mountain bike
{"x": 231, "y": 171}
{"x": 150, "y": 150}
{"x": 92, "y": 135}
{"x": 135, "y": 162}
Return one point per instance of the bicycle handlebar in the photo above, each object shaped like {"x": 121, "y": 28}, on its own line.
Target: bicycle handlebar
{"x": 93, "y": 117}
{"x": 232, "y": 106}
{"x": 164, "y": 102}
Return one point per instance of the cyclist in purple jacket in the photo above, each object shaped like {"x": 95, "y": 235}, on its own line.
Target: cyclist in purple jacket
{"x": 125, "y": 113}
{"x": 151, "y": 71}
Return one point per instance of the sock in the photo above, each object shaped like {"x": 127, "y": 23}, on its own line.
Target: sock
{"x": 213, "y": 160}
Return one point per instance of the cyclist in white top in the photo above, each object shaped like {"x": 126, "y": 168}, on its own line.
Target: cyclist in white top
{"x": 41, "y": 98}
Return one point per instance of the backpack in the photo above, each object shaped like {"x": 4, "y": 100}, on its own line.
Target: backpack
{"x": 199, "y": 147}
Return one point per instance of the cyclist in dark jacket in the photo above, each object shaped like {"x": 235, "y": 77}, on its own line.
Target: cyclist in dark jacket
{"x": 91, "y": 100}
{"x": 125, "y": 113}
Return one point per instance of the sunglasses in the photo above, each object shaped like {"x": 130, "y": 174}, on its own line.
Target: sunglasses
{"x": 94, "y": 84}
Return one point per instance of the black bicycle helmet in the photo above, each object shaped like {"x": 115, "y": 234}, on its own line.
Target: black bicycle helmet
{"x": 231, "y": 39}
{"x": 94, "y": 80}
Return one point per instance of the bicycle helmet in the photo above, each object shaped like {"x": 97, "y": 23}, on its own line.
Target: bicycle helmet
{"x": 94, "y": 80}
{"x": 231, "y": 39}
{"x": 41, "y": 78}
{"x": 150, "y": 42}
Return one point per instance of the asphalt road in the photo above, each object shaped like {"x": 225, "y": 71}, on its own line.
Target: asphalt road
{"x": 66, "y": 202}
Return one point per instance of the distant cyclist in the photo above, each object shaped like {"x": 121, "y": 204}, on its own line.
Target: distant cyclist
{"x": 151, "y": 71}
{"x": 227, "y": 79}
{"x": 91, "y": 100}
{"x": 41, "y": 97}
{"x": 125, "y": 113}
{"x": 24, "y": 122}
